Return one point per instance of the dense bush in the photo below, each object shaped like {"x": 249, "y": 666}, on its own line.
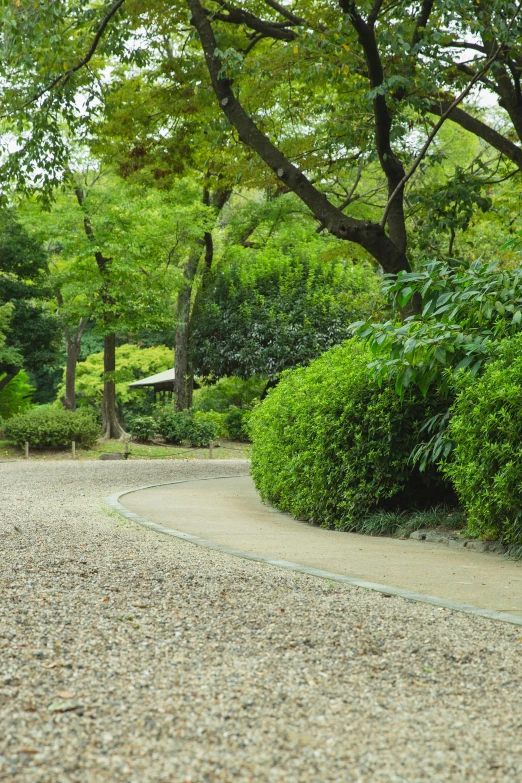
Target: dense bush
{"x": 200, "y": 432}
{"x": 236, "y": 420}
{"x": 330, "y": 446}
{"x": 271, "y": 308}
{"x": 55, "y": 428}
{"x": 486, "y": 428}
{"x": 218, "y": 421}
{"x": 143, "y": 428}
{"x": 176, "y": 427}
{"x": 229, "y": 391}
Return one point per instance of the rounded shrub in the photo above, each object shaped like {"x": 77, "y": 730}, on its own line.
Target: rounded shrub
{"x": 486, "y": 464}
{"x": 236, "y": 420}
{"x": 171, "y": 426}
{"x": 200, "y": 432}
{"x": 178, "y": 426}
{"x": 218, "y": 420}
{"x": 52, "y": 428}
{"x": 143, "y": 428}
{"x": 330, "y": 446}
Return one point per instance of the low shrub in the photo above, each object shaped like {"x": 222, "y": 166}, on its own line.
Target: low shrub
{"x": 486, "y": 465}
{"x": 217, "y": 419}
{"x": 236, "y": 420}
{"x": 53, "y": 428}
{"x": 143, "y": 428}
{"x": 171, "y": 426}
{"x": 200, "y": 432}
{"x": 178, "y": 426}
{"x": 330, "y": 446}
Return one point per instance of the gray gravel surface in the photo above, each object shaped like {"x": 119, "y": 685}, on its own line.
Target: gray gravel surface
{"x": 129, "y": 656}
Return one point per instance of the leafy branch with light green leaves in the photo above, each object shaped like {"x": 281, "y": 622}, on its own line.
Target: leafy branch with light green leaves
{"x": 466, "y": 310}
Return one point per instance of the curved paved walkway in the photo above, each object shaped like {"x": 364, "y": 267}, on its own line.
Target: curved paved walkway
{"x": 227, "y": 513}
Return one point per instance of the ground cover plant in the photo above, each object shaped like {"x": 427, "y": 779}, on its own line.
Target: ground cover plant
{"x": 331, "y": 446}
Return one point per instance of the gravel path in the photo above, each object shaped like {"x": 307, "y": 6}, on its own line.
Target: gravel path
{"x": 127, "y": 656}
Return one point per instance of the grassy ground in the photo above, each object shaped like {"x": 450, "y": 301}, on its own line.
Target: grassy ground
{"x": 226, "y": 449}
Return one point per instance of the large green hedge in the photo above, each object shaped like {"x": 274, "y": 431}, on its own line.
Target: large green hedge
{"x": 330, "y": 446}
{"x": 486, "y": 465}
{"x": 55, "y": 428}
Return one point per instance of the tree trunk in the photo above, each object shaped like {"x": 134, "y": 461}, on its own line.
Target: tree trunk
{"x": 183, "y": 375}
{"x": 182, "y": 372}
{"x": 74, "y": 344}
{"x": 9, "y": 377}
{"x": 111, "y": 426}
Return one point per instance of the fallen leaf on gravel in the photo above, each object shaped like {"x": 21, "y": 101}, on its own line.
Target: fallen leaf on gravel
{"x": 27, "y": 750}
{"x": 49, "y": 665}
{"x": 66, "y": 694}
{"x": 106, "y": 598}
{"x": 62, "y": 706}
{"x": 418, "y": 682}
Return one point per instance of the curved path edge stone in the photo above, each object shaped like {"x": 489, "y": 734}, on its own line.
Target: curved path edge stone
{"x": 113, "y": 501}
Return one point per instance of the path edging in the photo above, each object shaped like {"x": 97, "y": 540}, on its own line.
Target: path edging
{"x": 113, "y": 501}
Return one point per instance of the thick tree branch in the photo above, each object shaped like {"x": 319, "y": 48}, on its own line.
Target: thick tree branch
{"x": 400, "y": 187}
{"x": 277, "y": 30}
{"x": 369, "y": 235}
{"x": 391, "y": 165}
{"x": 284, "y": 12}
{"x": 480, "y": 129}
{"x": 64, "y": 77}
{"x": 422, "y": 21}
{"x": 10, "y": 372}
{"x": 464, "y": 45}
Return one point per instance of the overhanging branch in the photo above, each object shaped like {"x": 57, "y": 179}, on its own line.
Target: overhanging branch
{"x": 64, "y": 77}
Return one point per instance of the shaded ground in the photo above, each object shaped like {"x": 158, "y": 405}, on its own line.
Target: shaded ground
{"x": 126, "y": 656}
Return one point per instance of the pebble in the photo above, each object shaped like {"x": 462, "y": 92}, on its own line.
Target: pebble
{"x": 127, "y": 656}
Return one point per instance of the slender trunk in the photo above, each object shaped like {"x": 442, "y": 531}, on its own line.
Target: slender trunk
{"x": 182, "y": 370}
{"x": 9, "y": 377}
{"x": 74, "y": 344}
{"x": 183, "y": 375}
{"x": 111, "y": 426}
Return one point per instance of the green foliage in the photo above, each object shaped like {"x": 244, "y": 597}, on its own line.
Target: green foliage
{"x": 279, "y": 303}
{"x": 132, "y": 363}
{"x": 32, "y": 339}
{"x": 176, "y": 427}
{"x": 236, "y": 420}
{"x": 229, "y": 391}
{"x": 466, "y": 308}
{"x": 9, "y": 357}
{"x": 54, "y": 428}
{"x": 218, "y": 421}
{"x": 143, "y": 428}
{"x": 331, "y": 446}
{"x": 401, "y": 524}
{"x": 486, "y": 464}
{"x": 199, "y": 432}
{"x": 16, "y": 396}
